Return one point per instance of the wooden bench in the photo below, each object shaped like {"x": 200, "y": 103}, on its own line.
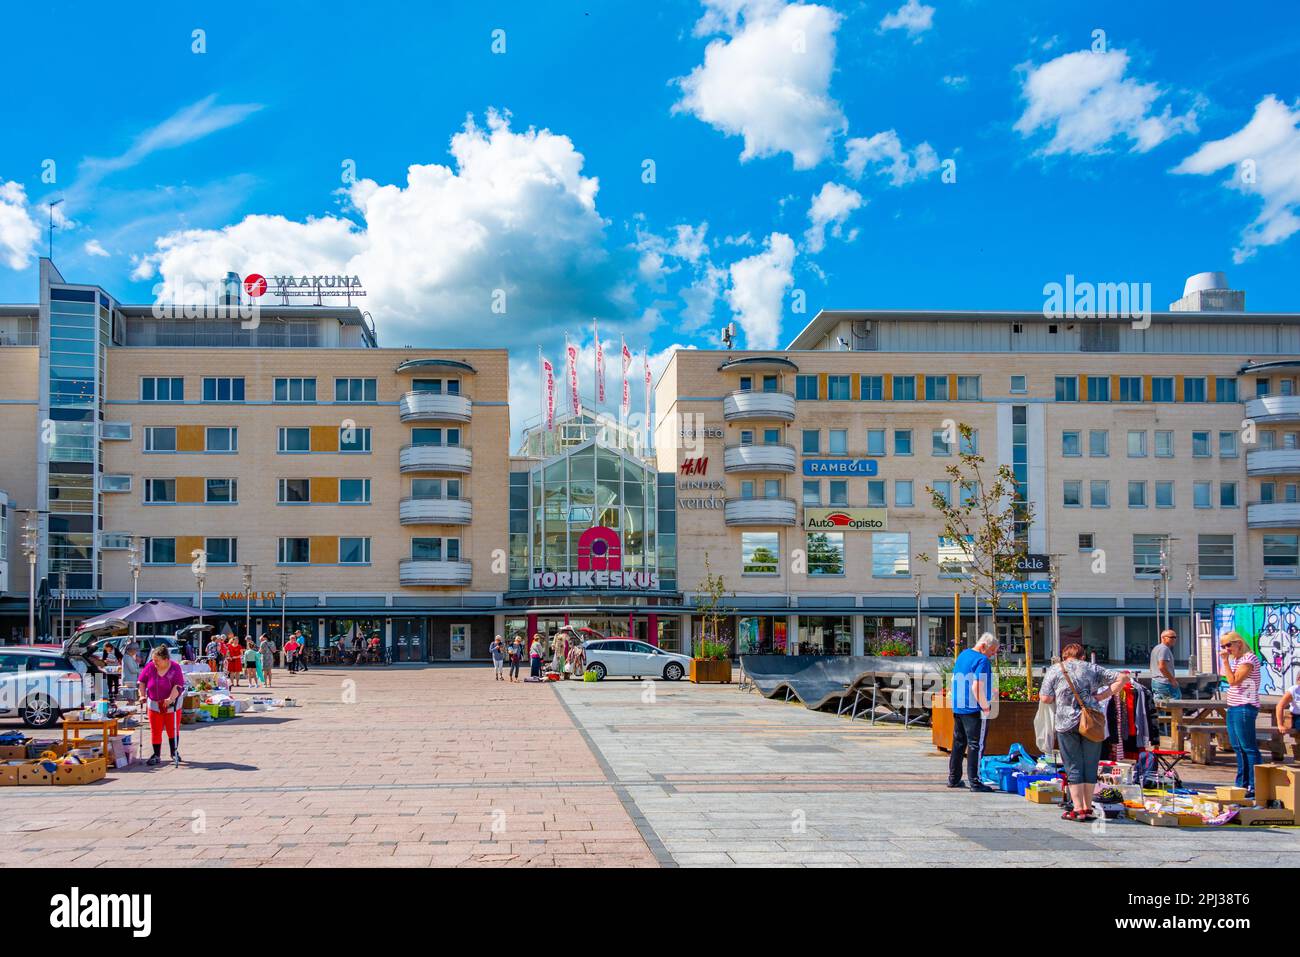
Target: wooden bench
{"x": 1203, "y": 738}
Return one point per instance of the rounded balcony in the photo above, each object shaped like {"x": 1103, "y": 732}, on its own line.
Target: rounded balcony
{"x": 759, "y": 511}
{"x": 1274, "y": 408}
{"x": 1273, "y": 515}
{"x": 434, "y": 458}
{"x": 766, "y": 406}
{"x": 417, "y": 572}
{"x": 434, "y": 407}
{"x": 434, "y": 511}
{"x": 758, "y": 458}
{"x": 1273, "y": 462}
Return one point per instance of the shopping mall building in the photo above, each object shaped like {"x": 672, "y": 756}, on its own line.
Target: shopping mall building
{"x": 373, "y": 490}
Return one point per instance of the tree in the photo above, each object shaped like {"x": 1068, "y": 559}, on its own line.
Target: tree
{"x": 709, "y": 596}
{"x": 823, "y": 557}
{"x": 763, "y": 560}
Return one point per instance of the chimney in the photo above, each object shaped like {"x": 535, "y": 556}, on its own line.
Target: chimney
{"x": 1209, "y": 292}
{"x": 230, "y": 289}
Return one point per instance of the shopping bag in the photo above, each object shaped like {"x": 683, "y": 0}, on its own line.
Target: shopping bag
{"x": 1045, "y": 727}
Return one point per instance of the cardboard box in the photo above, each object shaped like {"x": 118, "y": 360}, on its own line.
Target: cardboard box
{"x": 1263, "y": 816}
{"x": 1043, "y": 796}
{"x": 33, "y": 774}
{"x": 9, "y": 775}
{"x": 13, "y": 752}
{"x": 85, "y": 773}
{"x": 1276, "y": 782}
{"x": 1224, "y": 793}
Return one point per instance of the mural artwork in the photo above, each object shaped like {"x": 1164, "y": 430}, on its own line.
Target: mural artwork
{"x": 1272, "y": 632}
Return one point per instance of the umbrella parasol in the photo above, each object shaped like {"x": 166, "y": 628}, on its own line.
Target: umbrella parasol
{"x": 149, "y": 610}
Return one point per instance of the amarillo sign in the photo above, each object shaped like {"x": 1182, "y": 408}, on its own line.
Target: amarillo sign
{"x": 845, "y": 519}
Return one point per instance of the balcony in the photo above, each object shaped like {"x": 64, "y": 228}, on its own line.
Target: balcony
{"x": 758, "y": 458}
{"x": 766, "y": 406}
{"x": 434, "y": 458}
{"x": 759, "y": 511}
{"x": 417, "y": 572}
{"x": 434, "y": 407}
{"x": 1273, "y": 515}
{"x": 1274, "y": 408}
{"x": 434, "y": 511}
{"x": 1273, "y": 462}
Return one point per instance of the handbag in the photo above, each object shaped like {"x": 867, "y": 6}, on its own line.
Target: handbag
{"x": 1092, "y": 723}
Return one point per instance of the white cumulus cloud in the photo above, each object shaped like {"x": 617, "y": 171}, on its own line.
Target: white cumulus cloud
{"x": 916, "y": 18}
{"x": 767, "y": 79}
{"x": 830, "y": 209}
{"x": 93, "y": 247}
{"x": 1087, "y": 102}
{"x": 886, "y": 153}
{"x": 758, "y": 288}
{"x": 19, "y": 232}
{"x": 1265, "y": 159}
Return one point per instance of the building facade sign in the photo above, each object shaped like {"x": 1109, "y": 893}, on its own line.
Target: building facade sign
{"x": 845, "y": 519}
{"x": 867, "y": 467}
{"x": 596, "y": 581}
{"x": 1025, "y": 588}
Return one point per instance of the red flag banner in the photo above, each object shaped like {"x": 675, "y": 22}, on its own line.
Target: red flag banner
{"x": 575, "y": 402}
{"x": 627, "y": 391}
{"x": 600, "y": 365}
{"x": 548, "y": 384}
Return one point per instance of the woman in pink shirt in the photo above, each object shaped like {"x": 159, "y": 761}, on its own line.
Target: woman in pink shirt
{"x": 161, "y": 684}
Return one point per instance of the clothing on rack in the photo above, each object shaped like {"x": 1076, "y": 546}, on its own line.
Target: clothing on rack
{"x": 1133, "y": 727}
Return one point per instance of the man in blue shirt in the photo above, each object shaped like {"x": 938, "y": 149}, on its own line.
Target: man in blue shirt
{"x": 972, "y": 698}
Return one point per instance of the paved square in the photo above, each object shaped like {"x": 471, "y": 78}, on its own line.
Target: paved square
{"x": 437, "y": 765}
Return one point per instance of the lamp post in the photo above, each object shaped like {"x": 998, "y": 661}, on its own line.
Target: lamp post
{"x": 31, "y": 548}
{"x": 1191, "y": 615}
{"x": 63, "y": 603}
{"x": 917, "y": 629}
{"x": 200, "y": 568}
{"x": 248, "y": 598}
{"x": 284, "y": 591}
{"x": 1054, "y": 578}
{"x": 133, "y": 557}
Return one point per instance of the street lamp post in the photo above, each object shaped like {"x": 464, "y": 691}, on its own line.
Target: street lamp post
{"x": 1191, "y": 615}
{"x": 1054, "y": 578}
{"x": 31, "y": 548}
{"x": 248, "y": 598}
{"x": 133, "y": 558}
{"x": 917, "y": 629}
{"x": 284, "y": 592}
{"x": 63, "y": 603}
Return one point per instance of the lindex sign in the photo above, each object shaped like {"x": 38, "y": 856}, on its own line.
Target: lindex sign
{"x": 1032, "y": 563}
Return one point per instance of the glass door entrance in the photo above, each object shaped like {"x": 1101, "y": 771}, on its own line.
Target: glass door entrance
{"x": 410, "y": 639}
{"x": 460, "y": 642}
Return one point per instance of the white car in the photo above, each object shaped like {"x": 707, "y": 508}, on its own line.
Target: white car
{"x": 621, "y": 657}
{"x": 39, "y": 684}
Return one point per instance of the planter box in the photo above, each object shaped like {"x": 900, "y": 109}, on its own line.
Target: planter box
{"x": 1014, "y": 724}
{"x": 706, "y": 670}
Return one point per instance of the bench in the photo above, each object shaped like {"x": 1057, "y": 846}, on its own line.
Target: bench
{"x": 1203, "y": 738}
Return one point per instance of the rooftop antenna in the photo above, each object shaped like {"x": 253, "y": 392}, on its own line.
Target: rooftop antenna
{"x": 50, "y": 255}
{"x": 729, "y": 335}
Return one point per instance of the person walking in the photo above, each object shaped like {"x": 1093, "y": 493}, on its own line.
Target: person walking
{"x": 535, "y": 656}
{"x": 265, "y": 660}
{"x": 498, "y": 651}
{"x": 234, "y": 660}
{"x": 161, "y": 684}
{"x": 1164, "y": 683}
{"x": 1071, "y": 685}
{"x": 291, "y": 653}
{"x": 250, "y": 662}
{"x": 972, "y": 700}
{"x": 213, "y": 653}
{"x": 1240, "y": 666}
{"x": 516, "y": 657}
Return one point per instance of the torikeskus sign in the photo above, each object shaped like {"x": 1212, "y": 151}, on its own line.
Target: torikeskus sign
{"x": 849, "y": 467}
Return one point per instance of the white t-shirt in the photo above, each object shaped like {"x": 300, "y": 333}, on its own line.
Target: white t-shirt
{"x": 1295, "y": 699}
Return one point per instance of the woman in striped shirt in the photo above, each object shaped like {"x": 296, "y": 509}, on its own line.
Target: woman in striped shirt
{"x": 1240, "y": 666}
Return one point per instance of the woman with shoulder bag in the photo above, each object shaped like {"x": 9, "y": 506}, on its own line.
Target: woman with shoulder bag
{"x": 1076, "y": 688}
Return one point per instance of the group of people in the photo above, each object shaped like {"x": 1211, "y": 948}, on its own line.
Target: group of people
{"x": 359, "y": 649}
{"x": 243, "y": 660}
{"x": 566, "y": 655}
{"x": 1074, "y": 685}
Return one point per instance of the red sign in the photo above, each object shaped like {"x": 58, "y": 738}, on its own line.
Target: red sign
{"x": 255, "y": 284}
{"x": 599, "y": 550}
{"x": 548, "y": 384}
{"x": 696, "y": 466}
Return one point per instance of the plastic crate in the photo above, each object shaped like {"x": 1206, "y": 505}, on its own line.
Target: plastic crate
{"x": 1023, "y": 780}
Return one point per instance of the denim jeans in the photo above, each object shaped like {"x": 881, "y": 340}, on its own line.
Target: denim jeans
{"x": 1163, "y": 689}
{"x": 1241, "y": 735}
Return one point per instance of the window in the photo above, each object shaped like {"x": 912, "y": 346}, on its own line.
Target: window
{"x": 160, "y": 551}
{"x": 837, "y": 387}
{"x": 295, "y": 390}
{"x": 1164, "y": 445}
{"x": 448, "y": 437}
{"x": 1071, "y": 444}
{"x": 890, "y": 556}
{"x": 1225, "y": 389}
{"x": 159, "y": 491}
{"x": 1228, "y": 445}
{"x": 1194, "y": 389}
{"x": 436, "y": 489}
{"x": 294, "y": 491}
{"x": 825, "y": 553}
{"x": 435, "y": 549}
{"x": 354, "y": 551}
{"x": 221, "y": 439}
{"x": 1261, "y": 388}
{"x": 1098, "y": 443}
{"x": 746, "y": 489}
{"x": 943, "y": 488}
{"x": 936, "y": 388}
{"x": 968, "y": 388}
{"x": 1099, "y": 493}
{"x": 1098, "y": 388}
{"x": 1281, "y": 554}
{"x": 1085, "y": 541}
{"x": 221, "y": 551}
{"x": 876, "y": 494}
{"x": 295, "y": 439}
{"x": 439, "y": 386}
{"x": 223, "y": 389}
{"x": 771, "y": 383}
{"x": 1146, "y": 555}
{"x": 1201, "y": 493}
{"x": 903, "y": 493}
{"x": 1227, "y": 495}
{"x": 354, "y": 491}
{"x": 954, "y": 556}
{"x": 354, "y": 439}
{"x": 1162, "y": 388}
{"x": 1267, "y": 439}
{"x": 839, "y": 442}
{"x": 355, "y": 390}
{"x": 162, "y": 389}
{"x": 1164, "y": 494}
{"x": 1267, "y": 493}
{"x": 902, "y": 441}
{"x": 746, "y": 436}
{"x": 967, "y": 492}
{"x": 771, "y": 488}
{"x": 1019, "y": 385}
{"x": 876, "y": 441}
{"x": 221, "y": 491}
{"x": 1137, "y": 445}
{"x": 1201, "y": 445}
{"x": 294, "y": 551}
{"x": 938, "y": 444}
{"x": 805, "y": 387}
{"x": 771, "y": 436}
{"x": 1072, "y": 496}
{"x": 970, "y": 444}
{"x": 812, "y": 441}
{"x": 839, "y": 492}
{"x": 812, "y": 492}
{"x": 760, "y": 553}
{"x": 1136, "y": 494}
{"x": 904, "y": 388}
{"x": 1130, "y": 388}
{"x": 1067, "y": 388}
{"x": 114, "y": 483}
{"x": 160, "y": 439}
{"x": 871, "y": 388}
{"x": 746, "y": 383}
{"x": 1216, "y": 556}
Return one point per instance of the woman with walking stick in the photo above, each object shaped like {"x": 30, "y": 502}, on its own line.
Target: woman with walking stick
{"x": 161, "y": 685}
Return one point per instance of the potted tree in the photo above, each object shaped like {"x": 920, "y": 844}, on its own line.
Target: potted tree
{"x": 711, "y": 660}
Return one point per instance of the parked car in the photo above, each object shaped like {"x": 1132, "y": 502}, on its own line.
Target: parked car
{"x": 39, "y": 683}
{"x": 623, "y": 657}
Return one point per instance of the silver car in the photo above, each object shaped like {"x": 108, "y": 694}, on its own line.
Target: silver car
{"x": 623, "y": 657}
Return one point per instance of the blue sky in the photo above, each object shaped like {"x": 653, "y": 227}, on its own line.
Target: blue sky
{"x": 800, "y": 155}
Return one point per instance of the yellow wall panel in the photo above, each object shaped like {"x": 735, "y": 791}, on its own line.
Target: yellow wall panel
{"x": 823, "y": 390}
{"x": 189, "y": 488}
{"x": 185, "y": 546}
{"x": 324, "y": 438}
{"x": 855, "y": 387}
{"x": 1211, "y": 389}
{"x": 190, "y": 438}
{"x": 889, "y": 388}
{"x": 324, "y": 550}
{"x": 952, "y": 386}
{"x": 325, "y": 490}
{"x": 1178, "y": 388}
